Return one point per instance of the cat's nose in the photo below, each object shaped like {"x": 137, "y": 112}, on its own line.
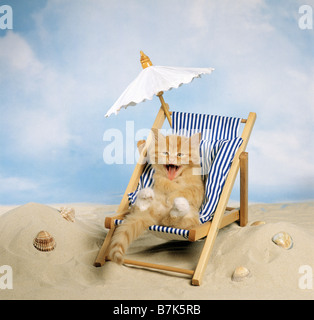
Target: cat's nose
{"x": 172, "y": 160}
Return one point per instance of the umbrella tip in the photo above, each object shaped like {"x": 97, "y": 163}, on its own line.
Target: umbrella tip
{"x": 145, "y": 61}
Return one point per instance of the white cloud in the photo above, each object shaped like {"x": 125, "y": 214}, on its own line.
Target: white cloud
{"x": 264, "y": 70}
{"x": 61, "y": 79}
{"x": 38, "y": 104}
{"x": 16, "y": 184}
{"x": 280, "y": 158}
{"x": 16, "y": 54}
{"x": 41, "y": 135}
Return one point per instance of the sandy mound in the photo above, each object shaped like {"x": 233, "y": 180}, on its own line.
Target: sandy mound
{"x": 275, "y": 271}
{"x": 67, "y": 272}
{"x": 32, "y": 269}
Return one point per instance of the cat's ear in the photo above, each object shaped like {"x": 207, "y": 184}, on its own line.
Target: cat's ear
{"x": 195, "y": 153}
{"x": 157, "y": 134}
{"x": 196, "y": 139}
{"x": 141, "y": 145}
{"x": 154, "y": 134}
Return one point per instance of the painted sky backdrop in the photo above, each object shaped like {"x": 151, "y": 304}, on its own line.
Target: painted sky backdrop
{"x": 65, "y": 63}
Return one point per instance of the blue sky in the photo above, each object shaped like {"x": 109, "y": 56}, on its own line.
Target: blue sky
{"x": 65, "y": 63}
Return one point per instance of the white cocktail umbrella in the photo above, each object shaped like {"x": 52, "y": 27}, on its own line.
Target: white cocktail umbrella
{"x": 154, "y": 80}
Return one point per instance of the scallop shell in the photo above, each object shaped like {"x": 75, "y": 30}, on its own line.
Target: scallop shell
{"x": 44, "y": 241}
{"x": 68, "y": 214}
{"x": 240, "y": 273}
{"x": 283, "y": 239}
{"x": 257, "y": 223}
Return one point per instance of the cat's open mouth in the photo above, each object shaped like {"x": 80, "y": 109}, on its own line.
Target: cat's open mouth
{"x": 172, "y": 170}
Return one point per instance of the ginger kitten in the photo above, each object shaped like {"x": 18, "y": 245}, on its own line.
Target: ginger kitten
{"x": 176, "y": 196}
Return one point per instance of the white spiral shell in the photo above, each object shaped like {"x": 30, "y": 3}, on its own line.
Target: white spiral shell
{"x": 68, "y": 213}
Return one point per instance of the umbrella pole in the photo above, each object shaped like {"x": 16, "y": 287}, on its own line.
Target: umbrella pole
{"x": 145, "y": 61}
{"x": 165, "y": 107}
{"x": 158, "y": 123}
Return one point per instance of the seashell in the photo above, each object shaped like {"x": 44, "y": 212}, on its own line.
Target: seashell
{"x": 44, "y": 241}
{"x": 257, "y": 223}
{"x": 283, "y": 239}
{"x": 68, "y": 213}
{"x": 240, "y": 273}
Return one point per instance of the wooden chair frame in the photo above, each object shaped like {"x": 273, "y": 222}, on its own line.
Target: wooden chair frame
{"x": 223, "y": 215}
{"x": 210, "y": 229}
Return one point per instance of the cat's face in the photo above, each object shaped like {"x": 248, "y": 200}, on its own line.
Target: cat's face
{"x": 172, "y": 154}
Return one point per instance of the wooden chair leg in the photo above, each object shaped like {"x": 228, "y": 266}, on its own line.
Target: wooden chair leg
{"x": 124, "y": 204}
{"x": 101, "y": 257}
{"x": 244, "y": 189}
{"x": 204, "y": 257}
{"x": 222, "y": 204}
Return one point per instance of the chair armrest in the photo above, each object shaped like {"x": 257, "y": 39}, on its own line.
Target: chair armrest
{"x": 199, "y": 231}
{"x": 109, "y": 221}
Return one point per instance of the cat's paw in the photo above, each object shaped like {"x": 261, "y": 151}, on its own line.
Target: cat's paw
{"x": 181, "y": 207}
{"x": 116, "y": 256}
{"x": 144, "y": 198}
{"x": 146, "y": 194}
{"x": 181, "y": 204}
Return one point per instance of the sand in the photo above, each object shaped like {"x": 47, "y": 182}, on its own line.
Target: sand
{"x": 67, "y": 272}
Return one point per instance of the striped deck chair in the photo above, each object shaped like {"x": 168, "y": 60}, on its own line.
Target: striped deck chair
{"x": 222, "y": 153}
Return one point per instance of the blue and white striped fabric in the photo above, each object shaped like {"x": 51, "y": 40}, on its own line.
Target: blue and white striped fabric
{"x": 218, "y": 166}
{"x": 174, "y": 231}
{"x": 146, "y": 180}
{"x": 218, "y": 146}
{"x": 213, "y": 128}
